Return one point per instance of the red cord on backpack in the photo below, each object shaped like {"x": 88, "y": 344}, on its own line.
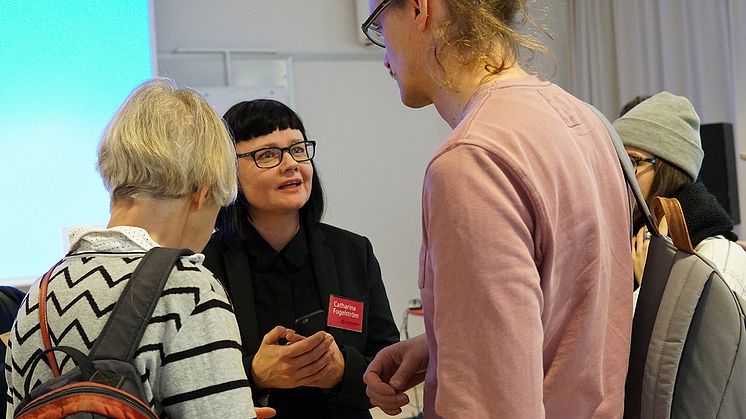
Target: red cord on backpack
{"x": 43, "y": 319}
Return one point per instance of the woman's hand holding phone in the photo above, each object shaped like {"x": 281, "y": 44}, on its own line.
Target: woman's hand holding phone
{"x": 310, "y": 323}
{"x": 289, "y": 366}
{"x": 334, "y": 363}
{"x": 307, "y": 356}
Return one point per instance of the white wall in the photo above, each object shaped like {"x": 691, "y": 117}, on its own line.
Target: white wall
{"x": 372, "y": 150}
{"x": 553, "y": 17}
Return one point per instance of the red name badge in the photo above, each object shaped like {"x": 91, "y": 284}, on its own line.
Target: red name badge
{"x": 345, "y": 314}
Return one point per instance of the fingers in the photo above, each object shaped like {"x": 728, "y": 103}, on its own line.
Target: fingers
{"x": 316, "y": 359}
{"x": 391, "y": 405}
{"x": 274, "y": 335}
{"x": 378, "y": 389}
{"x": 391, "y": 412}
{"x": 377, "y": 386}
{"x": 393, "y": 370}
{"x": 408, "y": 367}
{"x": 301, "y": 345}
{"x": 386, "y": 397}
{"x": 379, "y": 370}
{"x": 639, "y": 252}
{"x": 640, "y": 243}
{"x": 293, "y": 337}
{"x": 332, "y": 370}
{"x": 640, "y": 236}
{"x": 265, "y": 412}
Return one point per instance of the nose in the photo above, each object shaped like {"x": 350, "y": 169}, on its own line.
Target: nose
{"x": 386, "y": 61}
{"x": 288, "y": 162}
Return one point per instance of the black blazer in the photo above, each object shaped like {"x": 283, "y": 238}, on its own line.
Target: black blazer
{"x": 344, "y": 265}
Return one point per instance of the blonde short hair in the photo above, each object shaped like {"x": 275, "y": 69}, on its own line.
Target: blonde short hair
{"x": 166, "y": 142}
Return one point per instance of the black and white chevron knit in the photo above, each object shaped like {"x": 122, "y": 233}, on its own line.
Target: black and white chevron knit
{"x": 189, "y": 358}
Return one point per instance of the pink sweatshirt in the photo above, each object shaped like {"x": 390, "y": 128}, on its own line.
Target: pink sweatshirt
{"x": 525, "y": 266}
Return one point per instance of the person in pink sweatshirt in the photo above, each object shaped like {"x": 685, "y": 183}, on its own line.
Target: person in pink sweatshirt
{"x": 525, "y": 265}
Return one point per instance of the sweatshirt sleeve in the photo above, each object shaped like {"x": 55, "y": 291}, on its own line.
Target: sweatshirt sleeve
{"x": 479, "y": 223}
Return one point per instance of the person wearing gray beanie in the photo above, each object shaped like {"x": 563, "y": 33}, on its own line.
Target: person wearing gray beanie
{"x": 666, "y": 126}
{"x": 663, "y": 132}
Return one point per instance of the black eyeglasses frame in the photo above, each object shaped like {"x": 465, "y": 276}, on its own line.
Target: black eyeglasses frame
{"x": 365, "y": 27}
{"x": 636, "y": 160}
{"x": 287, "y": 149}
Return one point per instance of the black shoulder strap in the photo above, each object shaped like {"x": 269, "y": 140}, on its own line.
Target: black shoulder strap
{"x": 629, "y": 171}
{"x": 123, "y": 331}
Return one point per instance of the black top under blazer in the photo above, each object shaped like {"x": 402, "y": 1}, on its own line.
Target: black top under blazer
{"x": 344, "y": 265}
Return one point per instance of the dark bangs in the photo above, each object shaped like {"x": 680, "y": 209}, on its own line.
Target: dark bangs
{"x": 247, "y": 120}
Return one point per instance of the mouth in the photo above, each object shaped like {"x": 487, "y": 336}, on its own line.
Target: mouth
{"x": 290, "y": 184}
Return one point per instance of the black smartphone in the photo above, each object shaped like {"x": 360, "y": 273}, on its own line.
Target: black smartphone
{"x": 310, "y": 323}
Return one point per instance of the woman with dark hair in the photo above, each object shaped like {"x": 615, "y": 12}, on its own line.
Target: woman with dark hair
{"x": 279, "y": 263}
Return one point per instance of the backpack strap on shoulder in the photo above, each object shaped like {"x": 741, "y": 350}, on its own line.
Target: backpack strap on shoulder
{"x": 628, "y": 170}
{"x": 126, "y": 325}
{"x": 670, "y": 209}
{"x": 43, "y": 325}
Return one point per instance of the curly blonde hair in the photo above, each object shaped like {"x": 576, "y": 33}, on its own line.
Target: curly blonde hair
{"x": 166, "y": 142}
{"x": 472, "y": 29}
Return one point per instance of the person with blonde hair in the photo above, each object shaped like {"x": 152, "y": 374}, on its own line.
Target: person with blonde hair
{"x": 168, "y": 163}
{"x": 524, "y": 275}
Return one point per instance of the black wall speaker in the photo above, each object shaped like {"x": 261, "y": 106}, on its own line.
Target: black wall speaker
{"x": 719, "y": 166}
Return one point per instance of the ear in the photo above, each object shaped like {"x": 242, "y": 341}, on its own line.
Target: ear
{"x": 421, "y": 13}
{"x": 201, "y": 197}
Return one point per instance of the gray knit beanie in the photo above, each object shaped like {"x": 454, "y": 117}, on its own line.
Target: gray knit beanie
{"x": 665, "y": 126}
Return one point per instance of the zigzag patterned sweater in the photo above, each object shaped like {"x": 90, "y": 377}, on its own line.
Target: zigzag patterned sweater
{"x": 189, "y": 359}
